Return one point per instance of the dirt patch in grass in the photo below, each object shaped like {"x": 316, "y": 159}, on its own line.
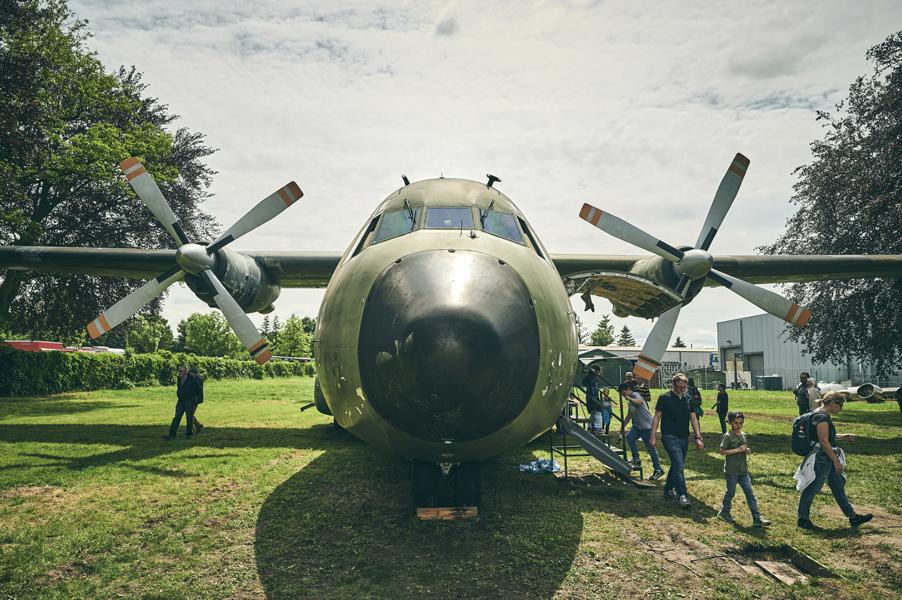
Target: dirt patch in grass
{"x": 31, "y": 491}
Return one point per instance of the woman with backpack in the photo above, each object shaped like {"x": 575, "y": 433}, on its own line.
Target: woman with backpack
{"x": 825, "y": 462}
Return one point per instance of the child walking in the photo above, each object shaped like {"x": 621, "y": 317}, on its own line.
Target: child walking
{"x": 734, "y": 446}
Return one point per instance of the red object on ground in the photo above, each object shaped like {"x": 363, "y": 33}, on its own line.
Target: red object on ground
{"x": 33, "y": 346}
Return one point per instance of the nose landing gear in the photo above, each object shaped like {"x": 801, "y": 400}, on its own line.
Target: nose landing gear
{"x": 445, "y": 491}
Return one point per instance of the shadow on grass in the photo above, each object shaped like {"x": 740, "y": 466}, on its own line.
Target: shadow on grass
{"x": 141, "y": 442}
{"x": 56, "y": 405}
{"x": 344, "y": 526}
{"x": 768, "y": 443}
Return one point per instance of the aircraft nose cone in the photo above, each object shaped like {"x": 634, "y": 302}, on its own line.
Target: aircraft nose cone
{"x": 449, "y": 345}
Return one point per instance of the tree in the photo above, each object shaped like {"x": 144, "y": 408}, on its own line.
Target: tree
{"x": 309, "y": 324}
{"x": 582, "y": 335}
{"x": 849, "y": 201}
{"x": 626, "y": 337}
{"x": 274, "y": 331}
{"x": 293, "y": 339}
{"x": 146, "y": 334}
{"x": 265, "y": 327}
{"x": 141, "y": 333}
{"x": 209, "y": 335}
{"x": 604, "y": 333}
{"x": 679, "y": 343}
{"x": 65, "y": 124}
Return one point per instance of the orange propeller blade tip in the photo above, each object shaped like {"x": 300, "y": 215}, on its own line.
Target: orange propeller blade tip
{"x": 739, "y": 165}
{"x": 290, "y": 194}
{"x": 128, "y": 163}
{"x": 98, "y": 326}
{"x": 263, "y": 357}
{"x": 590, "y": 213}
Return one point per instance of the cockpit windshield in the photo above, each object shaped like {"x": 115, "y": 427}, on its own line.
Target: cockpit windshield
{"x": 449, "y": 218}
{"x": 501, "y": 224}
{"x": 395, "y": 223}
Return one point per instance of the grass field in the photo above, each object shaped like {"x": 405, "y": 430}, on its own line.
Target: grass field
{"x": 271, "y": 502}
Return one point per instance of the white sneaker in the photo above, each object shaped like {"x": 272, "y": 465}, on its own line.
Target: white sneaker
{"x": 684, "y": 502}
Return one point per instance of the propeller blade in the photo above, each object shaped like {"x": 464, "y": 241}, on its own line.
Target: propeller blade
{"x": 240, "y": 322}
{"x": 265, "y": 210}
{"x": 723, "y": 199}
{"x": 134, "y": 302}
{"x": 656, "y": 344}
{"x": 622, "y": 230}
{"x": 766, "y": 300}
{"x": 150, "y": 194}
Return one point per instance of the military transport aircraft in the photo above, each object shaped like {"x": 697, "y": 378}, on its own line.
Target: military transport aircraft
{"x": 446, "y": 333}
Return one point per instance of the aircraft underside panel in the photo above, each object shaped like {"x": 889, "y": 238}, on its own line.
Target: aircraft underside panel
{"x": 630, "y": 295}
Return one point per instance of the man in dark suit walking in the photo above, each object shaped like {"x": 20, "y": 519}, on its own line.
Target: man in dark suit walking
{"x": 188, "y": 393}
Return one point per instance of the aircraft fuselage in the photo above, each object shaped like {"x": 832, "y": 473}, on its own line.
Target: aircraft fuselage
{"x": 446, "y": 334}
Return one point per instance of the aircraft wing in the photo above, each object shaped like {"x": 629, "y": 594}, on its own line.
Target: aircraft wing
{"x": 609, "y": 276}
{"x": 314, "y": 269}
{"x": 291, "y": 269}
{"x": 754, "y": 269}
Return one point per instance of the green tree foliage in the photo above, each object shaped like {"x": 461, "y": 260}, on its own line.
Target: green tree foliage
{"x": 849, "y": 201}
{"x": 209, "y": 335}
{"x": 293, "y": 339}
{"x": 309, "y": 324}
{"x": 65, "y": 124}
{"x": 32, "y": 373}
{"x": 626, "y": 337}
{"x": 679, "y": 343}
{"x": 149, "y": 334}
{"x": 604, "y": 333}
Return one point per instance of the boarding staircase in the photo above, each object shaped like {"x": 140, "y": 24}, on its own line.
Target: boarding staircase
{"x": 570, "y": 438}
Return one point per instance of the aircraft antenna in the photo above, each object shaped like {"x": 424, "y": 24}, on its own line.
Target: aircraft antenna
{"x": 492, "y": 180}
{"x": 406, "y": 181}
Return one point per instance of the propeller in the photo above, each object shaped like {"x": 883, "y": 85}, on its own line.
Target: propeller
{"x": 195, "y": 259}
{"x": 693, "y": 265}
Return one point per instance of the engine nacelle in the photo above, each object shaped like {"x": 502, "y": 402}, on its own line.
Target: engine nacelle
{"x": 252, "y": 287}
{"x": 865, "y": 391}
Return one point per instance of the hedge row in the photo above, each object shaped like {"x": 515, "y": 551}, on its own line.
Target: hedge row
{"x": 36, "y": 373}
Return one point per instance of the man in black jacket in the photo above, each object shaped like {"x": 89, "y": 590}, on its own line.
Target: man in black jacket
{"x": 801, "y": 393}
{"x": 188, "y": 393}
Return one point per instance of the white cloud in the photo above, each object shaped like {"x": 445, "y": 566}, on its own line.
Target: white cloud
{"x": 633, "y": 107}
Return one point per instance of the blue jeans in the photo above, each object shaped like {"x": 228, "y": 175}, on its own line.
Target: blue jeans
{"x": 745, "y": 482}
{"x": 636, "y": 433}
{"x": 596, "y": 420}
{"x": 723, "y": 421}
{"x": 824, "y": 471}
{"x": 606, "y": 418}
{"x": 676, "y": 448}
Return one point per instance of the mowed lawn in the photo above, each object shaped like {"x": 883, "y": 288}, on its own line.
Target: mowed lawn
{"x": 271, "y": 502}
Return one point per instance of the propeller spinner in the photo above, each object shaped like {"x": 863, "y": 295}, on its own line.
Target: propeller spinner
{"x": 195, "y": 259}
{"x": 693, "y": 265}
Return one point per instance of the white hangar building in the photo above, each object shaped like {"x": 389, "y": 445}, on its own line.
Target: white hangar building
{"x": 761, "y": 347}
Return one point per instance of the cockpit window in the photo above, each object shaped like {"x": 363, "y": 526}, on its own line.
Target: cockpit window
{"x": 395, "y": 223}
{"x": 501, "y": 224}
{"x": 449, "y": 218}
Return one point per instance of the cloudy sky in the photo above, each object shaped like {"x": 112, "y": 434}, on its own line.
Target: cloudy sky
{"x": 637, "y": 108}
